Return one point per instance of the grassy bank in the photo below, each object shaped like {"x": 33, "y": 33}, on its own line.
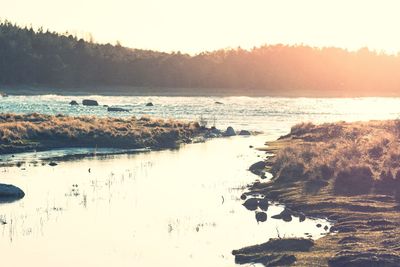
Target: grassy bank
{"x": 346, "y": 172}
{"x": 19, "y": 133}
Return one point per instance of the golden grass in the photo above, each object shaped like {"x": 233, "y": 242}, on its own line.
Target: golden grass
{"x": 314, "y": 163}
{"x": 38, "y": 131}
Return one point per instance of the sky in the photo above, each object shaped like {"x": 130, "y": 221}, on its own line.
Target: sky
{"x": 192, "y": 26}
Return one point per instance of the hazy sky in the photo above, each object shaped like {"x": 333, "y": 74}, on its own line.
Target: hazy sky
{"x": 193, "y": 26}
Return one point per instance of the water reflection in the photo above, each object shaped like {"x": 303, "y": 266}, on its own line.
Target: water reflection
{"x": 172, "y": 208}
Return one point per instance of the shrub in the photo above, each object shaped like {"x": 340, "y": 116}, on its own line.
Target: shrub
{"x": 376, "y": 152}
{"x": 354, "y": 180}
{"x": 291, "y": 171}
{"x": 326, "y": 171}
{"x": 302, "y": 128}
{"x": 386, "y": 183}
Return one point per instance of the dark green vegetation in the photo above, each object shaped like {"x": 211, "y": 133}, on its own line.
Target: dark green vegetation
{"x": 30, "y": 132}
{"x": 42, "y": 59}
{"x": 348, "y": 173}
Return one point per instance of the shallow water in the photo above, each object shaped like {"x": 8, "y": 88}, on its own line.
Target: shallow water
{"x": 170, "y": 208}
{"x": 165, "y": 208}
{"x": 272, "y": 114}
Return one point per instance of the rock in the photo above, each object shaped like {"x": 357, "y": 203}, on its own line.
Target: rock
{"x": 149, "y": 104}
{"x": 251, "y": 204}
{"x": 215, "y": 130}
{"x": 319, "y": 225}
{"x": 218, "y": 103}
{"x": 326, "y": 227}
{"x": 250, "y": 146}
{"x": 258, "y": 168}
{"x": 89, "y": 102}
{"x": 73, "y": 103}
{"x": 210, "y": 135}
{"x": 285, "y": 215}
{"x": 9, "y": 193}
{"x": 263, "y": 204}
{"x": 230, "y": 131}
{"x": 261, "y": 216}
{"x": 4, "y": 94}
{"x": 116, "y": 109}
{"x": 244, "y": 132}
{"x": 53, "y": 164}
{"x": 243, "y": 197}
{"x": 302, "y": 217}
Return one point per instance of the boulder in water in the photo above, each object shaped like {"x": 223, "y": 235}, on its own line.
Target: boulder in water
{"x": 285, "y": 215}
{"x": 258, "y": 168}
{"x": 10, "y": 193}
{"x": 117, "y": 109}
{"x": 149, "y": 104}
{"x": 261, "y": 216}
{"x": 230, "y": 131}
{"x": 244, "y": 132}
{"x": 90, "y": 102}
{"x": 263, "y": 204}
{"x": 73, "y": 103}
{"x": 251, "y": 204}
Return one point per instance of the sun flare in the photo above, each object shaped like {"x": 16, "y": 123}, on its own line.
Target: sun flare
{"x": 195, "y": 26}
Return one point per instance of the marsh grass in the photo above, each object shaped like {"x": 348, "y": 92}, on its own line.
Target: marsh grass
{"x": 38, "y": 131}
{"x": 348, "y": 173}
{"x": 359, "y": 158}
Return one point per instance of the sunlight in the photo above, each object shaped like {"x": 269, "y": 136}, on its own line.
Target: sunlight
{"x": 193, "y": 26}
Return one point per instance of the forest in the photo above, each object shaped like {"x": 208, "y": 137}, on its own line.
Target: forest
{"x": 41, "y": 58}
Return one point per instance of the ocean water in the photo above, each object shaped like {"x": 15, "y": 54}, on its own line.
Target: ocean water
{"x": 170, "y": 208}
{"x": 272, "y": 115}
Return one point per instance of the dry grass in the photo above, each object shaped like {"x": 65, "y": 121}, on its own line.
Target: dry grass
{"x": 344, "y": 152}
{"x": 37, "y": 131}
{"x": 349, "y": 173}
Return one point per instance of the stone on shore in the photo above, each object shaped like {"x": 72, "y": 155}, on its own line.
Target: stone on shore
{"x": 258, "y": 168}
{"x": 9, "y": 193}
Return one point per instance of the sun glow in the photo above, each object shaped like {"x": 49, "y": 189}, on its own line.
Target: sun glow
{"x": 194, "y": 26}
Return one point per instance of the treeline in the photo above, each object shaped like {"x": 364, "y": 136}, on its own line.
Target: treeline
{"x": 44, "y": 58}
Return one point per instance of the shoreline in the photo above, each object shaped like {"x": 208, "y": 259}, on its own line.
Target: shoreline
{"x": 365, "y": 231}
{"x": 29, "y": 90}
{"x": 39, "y": 132}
